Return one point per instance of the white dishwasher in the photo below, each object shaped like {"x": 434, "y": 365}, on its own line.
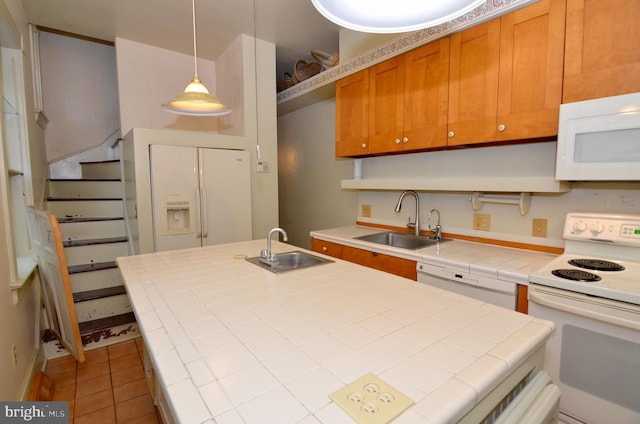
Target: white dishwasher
{"x": 490, "y": 290}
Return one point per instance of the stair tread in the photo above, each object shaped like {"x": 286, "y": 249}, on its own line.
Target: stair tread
{"x": 99, "y": 161}
{"x": 76, "y": 219}
{"x": 83, "y": 179}
{"x": 89, "y": 199}
{"x": 91, "y": 242}
{"x": 98, "y": 293}
{"x": 74, "y": 269}
{"x": 102, "y": 323}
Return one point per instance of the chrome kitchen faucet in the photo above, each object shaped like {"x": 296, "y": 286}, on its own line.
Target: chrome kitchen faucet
{"x": 414, "y": 225}
{"x": 266, "y": 256}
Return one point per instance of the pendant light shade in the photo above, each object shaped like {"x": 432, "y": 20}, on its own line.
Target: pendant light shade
{"x": 196, "y": 100}
{"x": 393, "y": 16}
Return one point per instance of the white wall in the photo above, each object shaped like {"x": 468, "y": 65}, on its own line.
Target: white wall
{"x": 17, "y": 322}
{"x": 310, "y": 188}
{"x": 252, "y": 120}
{"x": 149, "y": 76}
{"x": 81, "y": 98}
{"x": 525, "y": 160}
{"x": 310, "y": 174}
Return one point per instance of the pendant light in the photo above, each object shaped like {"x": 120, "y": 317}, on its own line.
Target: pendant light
{"x": 393, "y": 16}
{"x": 196, "y": 99}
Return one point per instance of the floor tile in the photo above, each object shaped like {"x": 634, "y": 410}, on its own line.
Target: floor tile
{"x": 134, "y": 408}
{"x": 147, "y": 419}
{"x": 123, "y": 362}
{"x": 130, "y": 390}
{"x": 102, "y": 416}
{"x": 93, "y": 402}
{"x": 63, "y": 393}
{"x": 60, "y": 365}
{"x": 93, "y": 357}
{"x": 93, "y": 385}
{"x": 93, "y": 371}
{"x": 122, "y": 349}
{"x": 65, "y": 378}
{"x": 127, "y": 375}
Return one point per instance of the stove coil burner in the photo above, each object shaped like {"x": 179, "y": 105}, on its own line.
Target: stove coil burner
{"x": 576, "y": 275}
{"x": 596, "y": 264}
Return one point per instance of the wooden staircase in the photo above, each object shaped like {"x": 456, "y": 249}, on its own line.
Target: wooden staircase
{"x": 91, "y": 217}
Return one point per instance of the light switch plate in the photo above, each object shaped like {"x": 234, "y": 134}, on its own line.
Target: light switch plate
{"x": 369, "y": 400}
{"x": 366, "y": 211}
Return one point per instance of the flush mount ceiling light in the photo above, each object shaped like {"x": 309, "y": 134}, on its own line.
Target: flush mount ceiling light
{"x": 196, "y": 99}
{"x": 393, "y": 16}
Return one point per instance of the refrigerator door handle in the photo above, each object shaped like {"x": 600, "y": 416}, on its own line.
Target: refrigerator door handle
{"x": 203, "y": 199}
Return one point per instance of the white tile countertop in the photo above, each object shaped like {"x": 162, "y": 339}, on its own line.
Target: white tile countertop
{"x": 234, "y": 343}
{"x": 504, "y": 263}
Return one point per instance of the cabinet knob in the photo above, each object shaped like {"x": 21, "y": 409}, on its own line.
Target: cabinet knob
{"x": 451, "y": 134}
{"x": 363, "y": 145}
{"x": 501, "y": 127}
{"x": 324, "y": 248}
{"x": 406, "y": 139}
{"x": 397, "y": 141}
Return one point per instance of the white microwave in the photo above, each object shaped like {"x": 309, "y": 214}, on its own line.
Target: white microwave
{"x": 599, "y": 139}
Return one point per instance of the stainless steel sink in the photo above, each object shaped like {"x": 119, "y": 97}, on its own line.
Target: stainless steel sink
{"x": 289, "y": 261}
{"x": 402, "y": 240}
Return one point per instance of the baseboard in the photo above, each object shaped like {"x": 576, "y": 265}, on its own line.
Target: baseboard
{"x": 36, "y": 365}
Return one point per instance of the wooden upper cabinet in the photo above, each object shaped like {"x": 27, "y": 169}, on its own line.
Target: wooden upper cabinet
{"x": 386, "y": 104}
{"x": 602, "y": 53}
{"x": 530, "y": 77}
{"x": 506, "y": 76}
{"x": 426, "y": 102}
{"x": 473, "y": 84}
{"x": 352, "y": 114}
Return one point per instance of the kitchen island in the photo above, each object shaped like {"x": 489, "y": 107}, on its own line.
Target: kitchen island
{"x": 230, "y": 342}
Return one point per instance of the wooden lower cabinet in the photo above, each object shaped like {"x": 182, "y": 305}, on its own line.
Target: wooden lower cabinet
{"x": 391, "y": 264}
{"x": 522, "y": 302}
{"x": 327, "y": 248}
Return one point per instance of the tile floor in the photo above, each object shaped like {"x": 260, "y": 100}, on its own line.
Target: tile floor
{"x": 108, "y": 387}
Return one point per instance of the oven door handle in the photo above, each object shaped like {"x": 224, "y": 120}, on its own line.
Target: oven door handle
{"x": 574, "y": 305}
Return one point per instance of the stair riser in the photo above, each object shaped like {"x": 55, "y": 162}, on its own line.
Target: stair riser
{"x": 106, "y": 170}
{"x": 94, "y": 280}
{"x": 85, "y": 189}
{"x": 79, "y": 255}
{"x": 92, "y": 230}
{"x": 86, "y": 208}
{"x": 102, "y": 308}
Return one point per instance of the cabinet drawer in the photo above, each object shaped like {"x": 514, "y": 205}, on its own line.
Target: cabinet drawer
{"x": 391, "y": 264}
{"x": 327, "y": 248}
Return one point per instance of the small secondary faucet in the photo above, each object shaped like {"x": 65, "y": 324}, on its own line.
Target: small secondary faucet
{"x": 414, "y": 225}
{"x": 266, "y": 255}
{"x": 437, "y": 231}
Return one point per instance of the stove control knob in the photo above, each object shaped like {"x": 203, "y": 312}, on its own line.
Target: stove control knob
{"x": 597, "y": 228}
{"x": 579, "y": 227}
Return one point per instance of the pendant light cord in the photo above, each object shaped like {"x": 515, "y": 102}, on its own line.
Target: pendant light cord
{"x": 195, "y": 50}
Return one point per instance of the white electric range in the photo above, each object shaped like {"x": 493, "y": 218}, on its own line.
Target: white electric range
{"x": 592, "y": 293}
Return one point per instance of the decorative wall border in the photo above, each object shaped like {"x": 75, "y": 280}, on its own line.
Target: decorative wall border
{"x": 491, "y": 9}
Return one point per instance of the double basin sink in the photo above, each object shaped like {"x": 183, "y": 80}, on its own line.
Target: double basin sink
{"x": 402, "y": 240}
{"x": 290, "y": 261}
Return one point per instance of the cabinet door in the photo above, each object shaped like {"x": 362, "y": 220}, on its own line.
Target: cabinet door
{"x": 473, "y": 87}
{"x": 327, "y": 248}
{"x": 531, "y": 60}
{"x": 602, "y": 52}
{"x": 386, "y": 104}
{"x": 426, "y": 98}
{"x": 391, "y": 264}
{"x": 352, "y": 114}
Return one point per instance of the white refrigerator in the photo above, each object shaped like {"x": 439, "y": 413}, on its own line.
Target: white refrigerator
{"x": 200, "y": 196}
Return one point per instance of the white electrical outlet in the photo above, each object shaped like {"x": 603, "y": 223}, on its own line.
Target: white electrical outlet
{"x": 369, "y": 400}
